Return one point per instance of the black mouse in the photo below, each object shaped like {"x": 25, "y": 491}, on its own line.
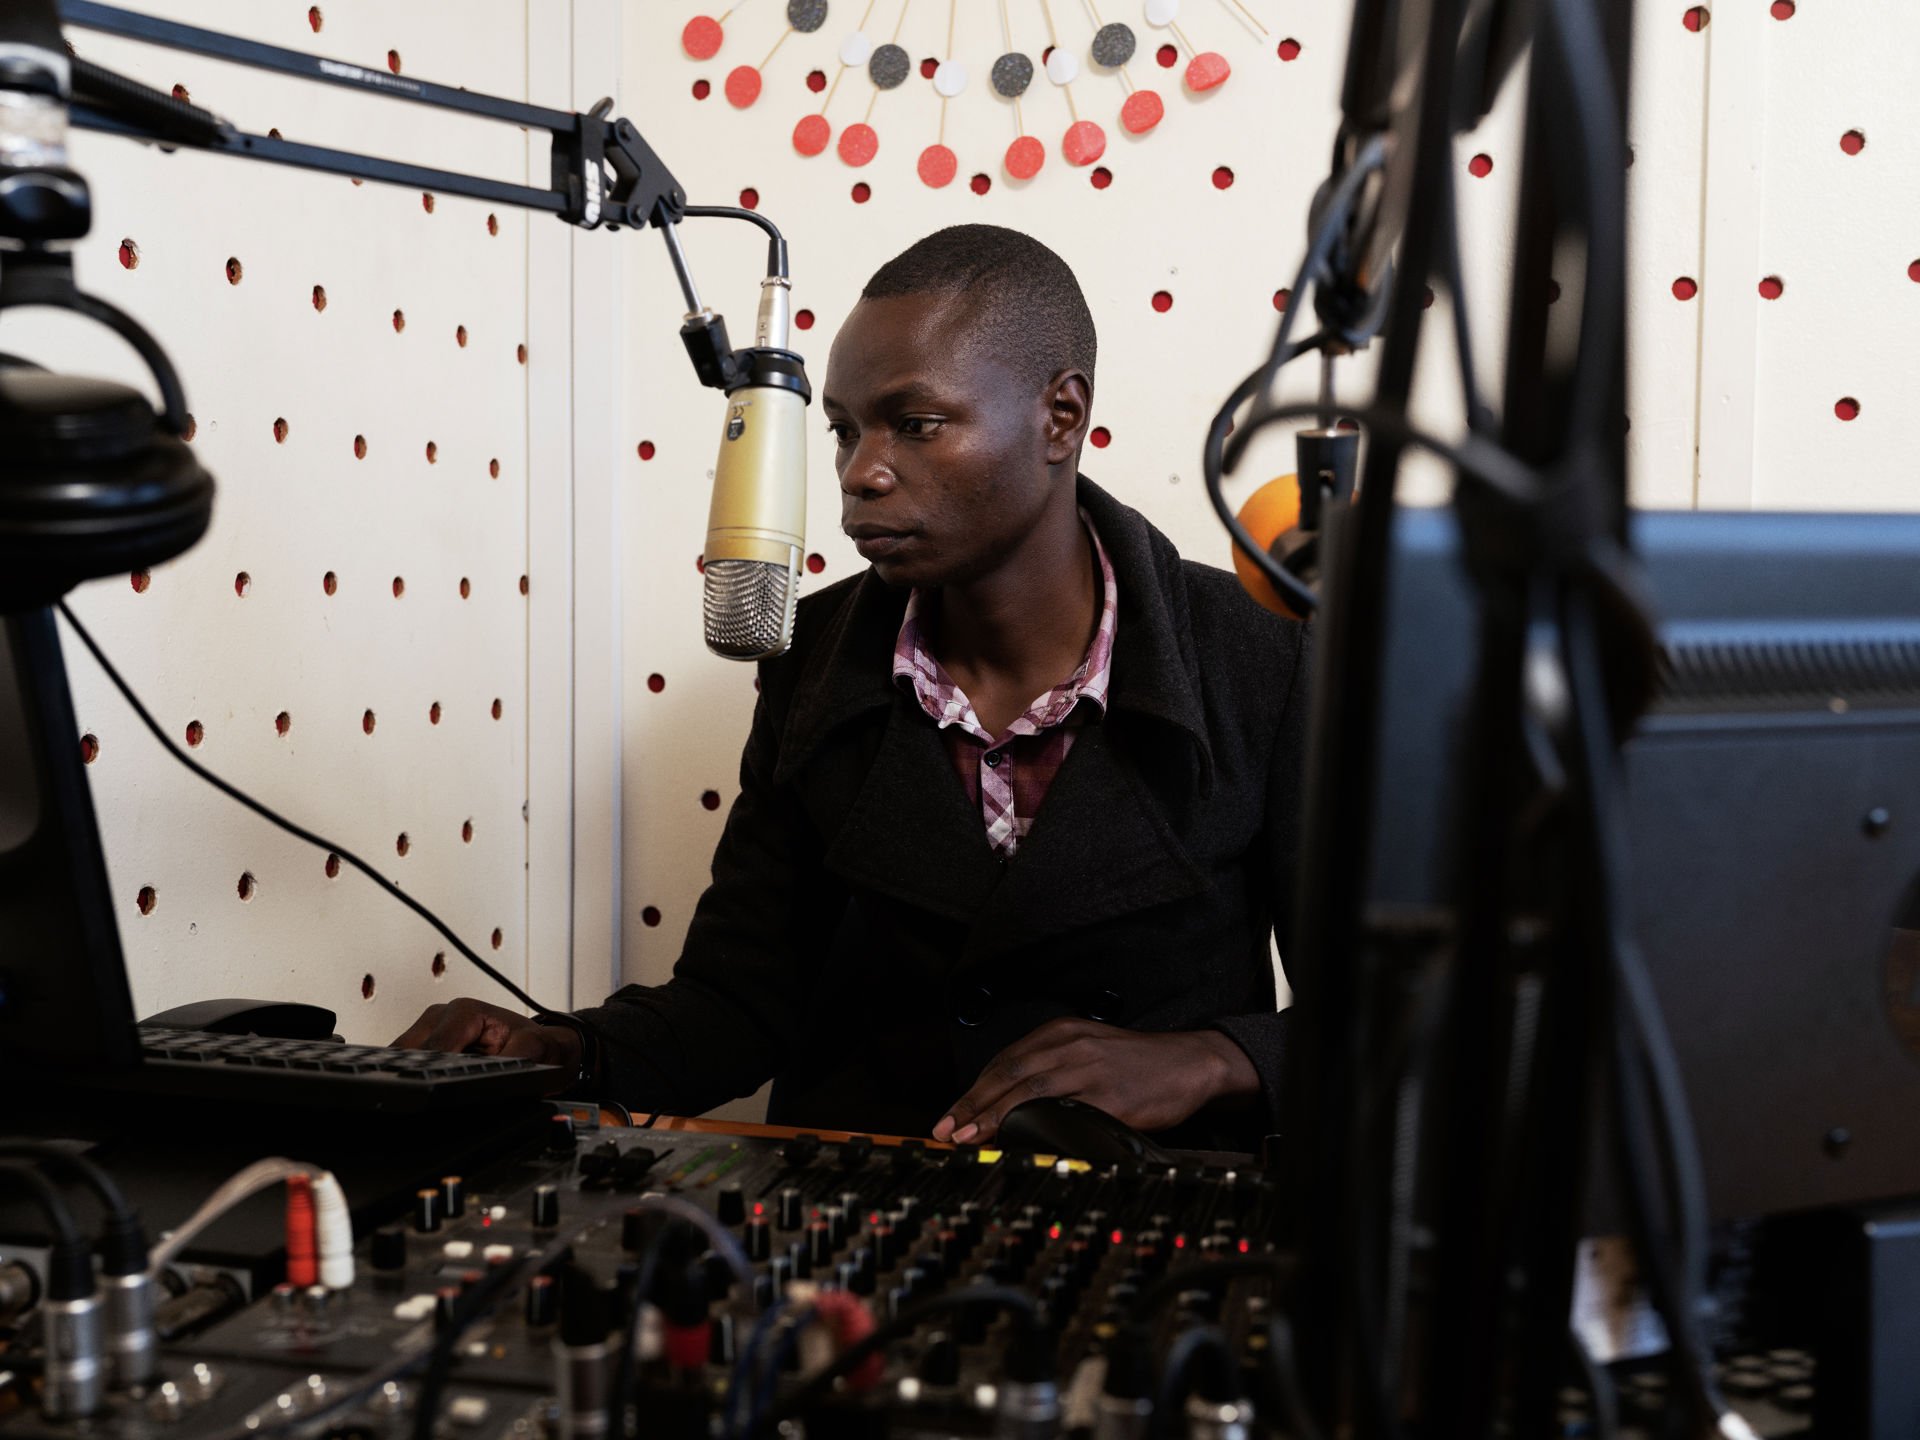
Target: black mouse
{"x": 1075, "y": 1130}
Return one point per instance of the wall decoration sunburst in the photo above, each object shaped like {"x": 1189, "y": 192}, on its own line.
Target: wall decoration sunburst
{"x": 1084, "y": 50}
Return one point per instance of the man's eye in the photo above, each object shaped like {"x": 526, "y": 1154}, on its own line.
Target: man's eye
{"x": 920, "y": 425}
{"x": 842, "y": 434}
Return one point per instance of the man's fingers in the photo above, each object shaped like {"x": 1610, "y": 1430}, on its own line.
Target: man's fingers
{"x": 465, "y": 1025}
{"x": 414, "y": 1037}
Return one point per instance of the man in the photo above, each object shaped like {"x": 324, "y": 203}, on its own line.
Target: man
{"x": 938, "y": 896}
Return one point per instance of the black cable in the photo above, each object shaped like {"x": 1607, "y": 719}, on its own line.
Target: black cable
{"x": 1296, "y": 590}
{"x": 233, "y": 792}
{"x": 1457, "y": 300}
{"x": 1606, "y": 1405}
{"x": 123, "y": 1242}
{"x": 777, "y": 244}
{"x": 1188, "y": 1346}
{"x": 902, "y": 1325}
{"x": 69, "y": 1264}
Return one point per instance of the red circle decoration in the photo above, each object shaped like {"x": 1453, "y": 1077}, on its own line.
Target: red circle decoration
{"x": 1101, "y": 178}
{"x": 1853, "y": 142}
{"x": 858, "y": 143}
{"x": 980, "y": 184}
{"x": 1162, "y": 301}
{"x": 1847, "y": 408}
{"x": 862, "y": 192}
{"x": 1101, "y": 437}
{"x": 810, "y": 136}
{"x": 702, "y": 88}
{"x": 1480, "y": 166}
{"x": 1207, "y": 71}
{"x": 1166, "y": 57}
{"x": 1782, "y": 9}
{"x": 1142, "y": 112}
{"x": 1025, "y": 156}
{"x": 1772, "y": 288}
{"x": 1223, "y": 177}
{"x": 1289, "y": 50}
{"x": 938, "y": 165}
{"x": 1685, "y": 288}
{"x": 1696, "y": 17}
{"x": 743, "y": 86}
{"x": 1085, "y": 143}
{"x": 702, "y": 36}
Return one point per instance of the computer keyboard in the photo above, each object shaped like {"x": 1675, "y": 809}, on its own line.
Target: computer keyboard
{"x": 327, "y": 1074}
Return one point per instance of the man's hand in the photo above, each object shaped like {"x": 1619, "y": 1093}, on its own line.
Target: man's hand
{"x": 482, "y": 1029}
{"x": 1150, "y": 1081}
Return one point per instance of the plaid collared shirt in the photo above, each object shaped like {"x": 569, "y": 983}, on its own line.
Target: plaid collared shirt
{"x": 1008, "y": 775}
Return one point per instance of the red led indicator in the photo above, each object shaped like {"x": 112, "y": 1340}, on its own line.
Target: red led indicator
{"x": 1053, "y": 1231}
{"x": 1245, "y": 1246}
{"x": 1179, "y": 1242}
{"x": 1118, "y": 1237}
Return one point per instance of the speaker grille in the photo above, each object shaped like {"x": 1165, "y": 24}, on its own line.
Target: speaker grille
{"x": 749, "y": 607}
{"x": 1789, "y": 673}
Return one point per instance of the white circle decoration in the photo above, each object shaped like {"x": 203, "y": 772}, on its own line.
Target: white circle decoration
{"x": 1063, "y": 67}
{"x": 855, "y": 49}
{"x": 950, "y": 79}
{"x": 1162, "y": 12}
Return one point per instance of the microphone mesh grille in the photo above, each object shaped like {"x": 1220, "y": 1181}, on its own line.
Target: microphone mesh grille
{"x": 749, "y": 608}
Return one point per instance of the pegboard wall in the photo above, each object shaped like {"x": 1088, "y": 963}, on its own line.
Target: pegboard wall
{"x": 350, "y": 641}
{"x": 1184, "y": 237}
{"x": 448, "y": 610}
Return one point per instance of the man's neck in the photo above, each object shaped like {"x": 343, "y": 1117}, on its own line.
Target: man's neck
{"x": 1026, "y": 626}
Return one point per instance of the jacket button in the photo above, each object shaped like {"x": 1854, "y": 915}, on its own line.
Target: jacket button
{"x": 1104, "y": 1006}
{"x": 972, "y": 1004}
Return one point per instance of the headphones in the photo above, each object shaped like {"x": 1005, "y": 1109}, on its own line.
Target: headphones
{"x": 93, "y": 479}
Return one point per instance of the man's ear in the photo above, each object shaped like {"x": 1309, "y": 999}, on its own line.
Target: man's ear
{"x": 1069, "y": 400}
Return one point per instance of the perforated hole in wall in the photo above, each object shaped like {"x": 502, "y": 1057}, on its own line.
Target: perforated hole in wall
{"x": 367, "y": 721}
{"x": 816, "y": 563}
{"x": 710, "y": 799}
{"x": 460, "y": 336}
{"x": 315, "y": 18}
{"x": 402, "y": 845}
{"x": 493, "y": 469}
{"x": 466, "y": 587}
{"x": 701, "y": 89}
{"x": 439, "y": 965}
{"x": 329, "y": 582}
{"x": 242, "y": 583}
{"x": 1772, "y": 287}
{"x": 650, "y": 916}
{"x": 1696, "y": 17}
{"x": 979, "y": 184}
{"x": 656, "y": 682}
{"x": 280, "y": 430}
{"x": 399, "y": 586}
{"x": 399, "y": 321}
{"x": 234, "y": 270}
{"x": 319, "y": 297}
{"x": 466, "y": 832}
{"x": 1480, "y": 166}
{"x": 193, "y": 428}
{"x": 1101, "y": 437}
{"x": 1847, "y": 408}
{"x": 1222, "y": 177}
{"x": 1853, "y": 142}
{"x": 520, "y": 353}
{"x": 89, "y": 748}
{"x": 498, "y": 709}
{"x": 498, "y": 939}
{"x": 426, "y": 201}
{"x": 1289, "y": 49}
{"x": 433, "y": 452}
{"x": 1282, "y": 298}
{"x": 1162, "y": 301}
{"x": 146, "y": 900}
{"x": 129, "y": 255}
{"x": 359, "y": 447}
{"x": 433, "y": 713}
{"x": 803, "y": 319}
{"x": 282, "y": 723}
{"x": 863, "y": 192}
{"x": 366, "y": 987}
{"x": 749, "y": 199}
{"x": 247, "y": 885}
{"x": 332, "y": 867}
{"x": 645, "y": 449}
{"x": 196, "y": 732}
{"x": 393, "y": 61}
{"x": 141, "y": 579}
{"x": 1100, "y": 177}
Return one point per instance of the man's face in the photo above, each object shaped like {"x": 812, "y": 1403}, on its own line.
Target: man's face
{"x": 943, "y": 451}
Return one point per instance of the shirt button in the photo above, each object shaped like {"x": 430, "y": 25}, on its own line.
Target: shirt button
{"x": 972, "y": 1005}
{"x": 993, "y": 759}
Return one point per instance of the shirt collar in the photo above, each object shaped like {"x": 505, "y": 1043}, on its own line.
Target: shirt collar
{"x": 917, "y": 669}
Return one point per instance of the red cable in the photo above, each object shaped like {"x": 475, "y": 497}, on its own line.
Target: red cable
{"x": 303, "y": 1264}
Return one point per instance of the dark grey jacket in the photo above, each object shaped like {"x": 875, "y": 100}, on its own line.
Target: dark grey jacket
{"x": 862, "y": 945}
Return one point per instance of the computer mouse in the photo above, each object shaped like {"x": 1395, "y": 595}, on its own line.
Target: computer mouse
{"x": 1075, "y": 1130}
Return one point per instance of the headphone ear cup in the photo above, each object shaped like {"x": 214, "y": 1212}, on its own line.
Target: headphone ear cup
{"x": 94, "y": 484}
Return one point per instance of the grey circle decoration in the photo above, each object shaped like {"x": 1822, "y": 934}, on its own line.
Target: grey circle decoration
{"x": 1012, "y": 74}
{"x": 806, "y": 16}
{"x": 889, "y": 67}
{"x": 1113, "y": 46}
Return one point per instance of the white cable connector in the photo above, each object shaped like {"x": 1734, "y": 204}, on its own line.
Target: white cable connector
{"x": 333, "y": 1229}
{"x": 243, "y": 1185}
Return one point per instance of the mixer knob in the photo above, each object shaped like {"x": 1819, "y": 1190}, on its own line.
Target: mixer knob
{"x": 598, "y": 1162}
{"x": 445, "y": 1299}
{"x": 759, "y": 1238}
{"x": 732, "y": 1206}
{"x": 546, "y": 1207}
{"x": 721, "y": 1340}
{"x": 855, "y": 1150}
{"x": 453, "y": 1196}
{"x": 792, "y": 1208}
{"x": 426, "y": 1211}
{"x": 836, "y": 1221}
{"x": 560, "y": 1136}
{"x": 390, "y": 1248}
{"x": 940, "y": 1361}
{"x": 864, "y": 1271}
{"x": 820, "y": 1246}
{"x": 886, "y": 1245}
{"x": 779, "y": 1269}
{"x": 542, "y": 1297}
{"x": 800, "y": 1259}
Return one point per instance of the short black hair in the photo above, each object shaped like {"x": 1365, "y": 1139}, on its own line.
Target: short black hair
{"x": 1025, "y": 298}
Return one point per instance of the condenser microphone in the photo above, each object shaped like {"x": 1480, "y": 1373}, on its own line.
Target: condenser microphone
{"x": 756, "y": 527}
